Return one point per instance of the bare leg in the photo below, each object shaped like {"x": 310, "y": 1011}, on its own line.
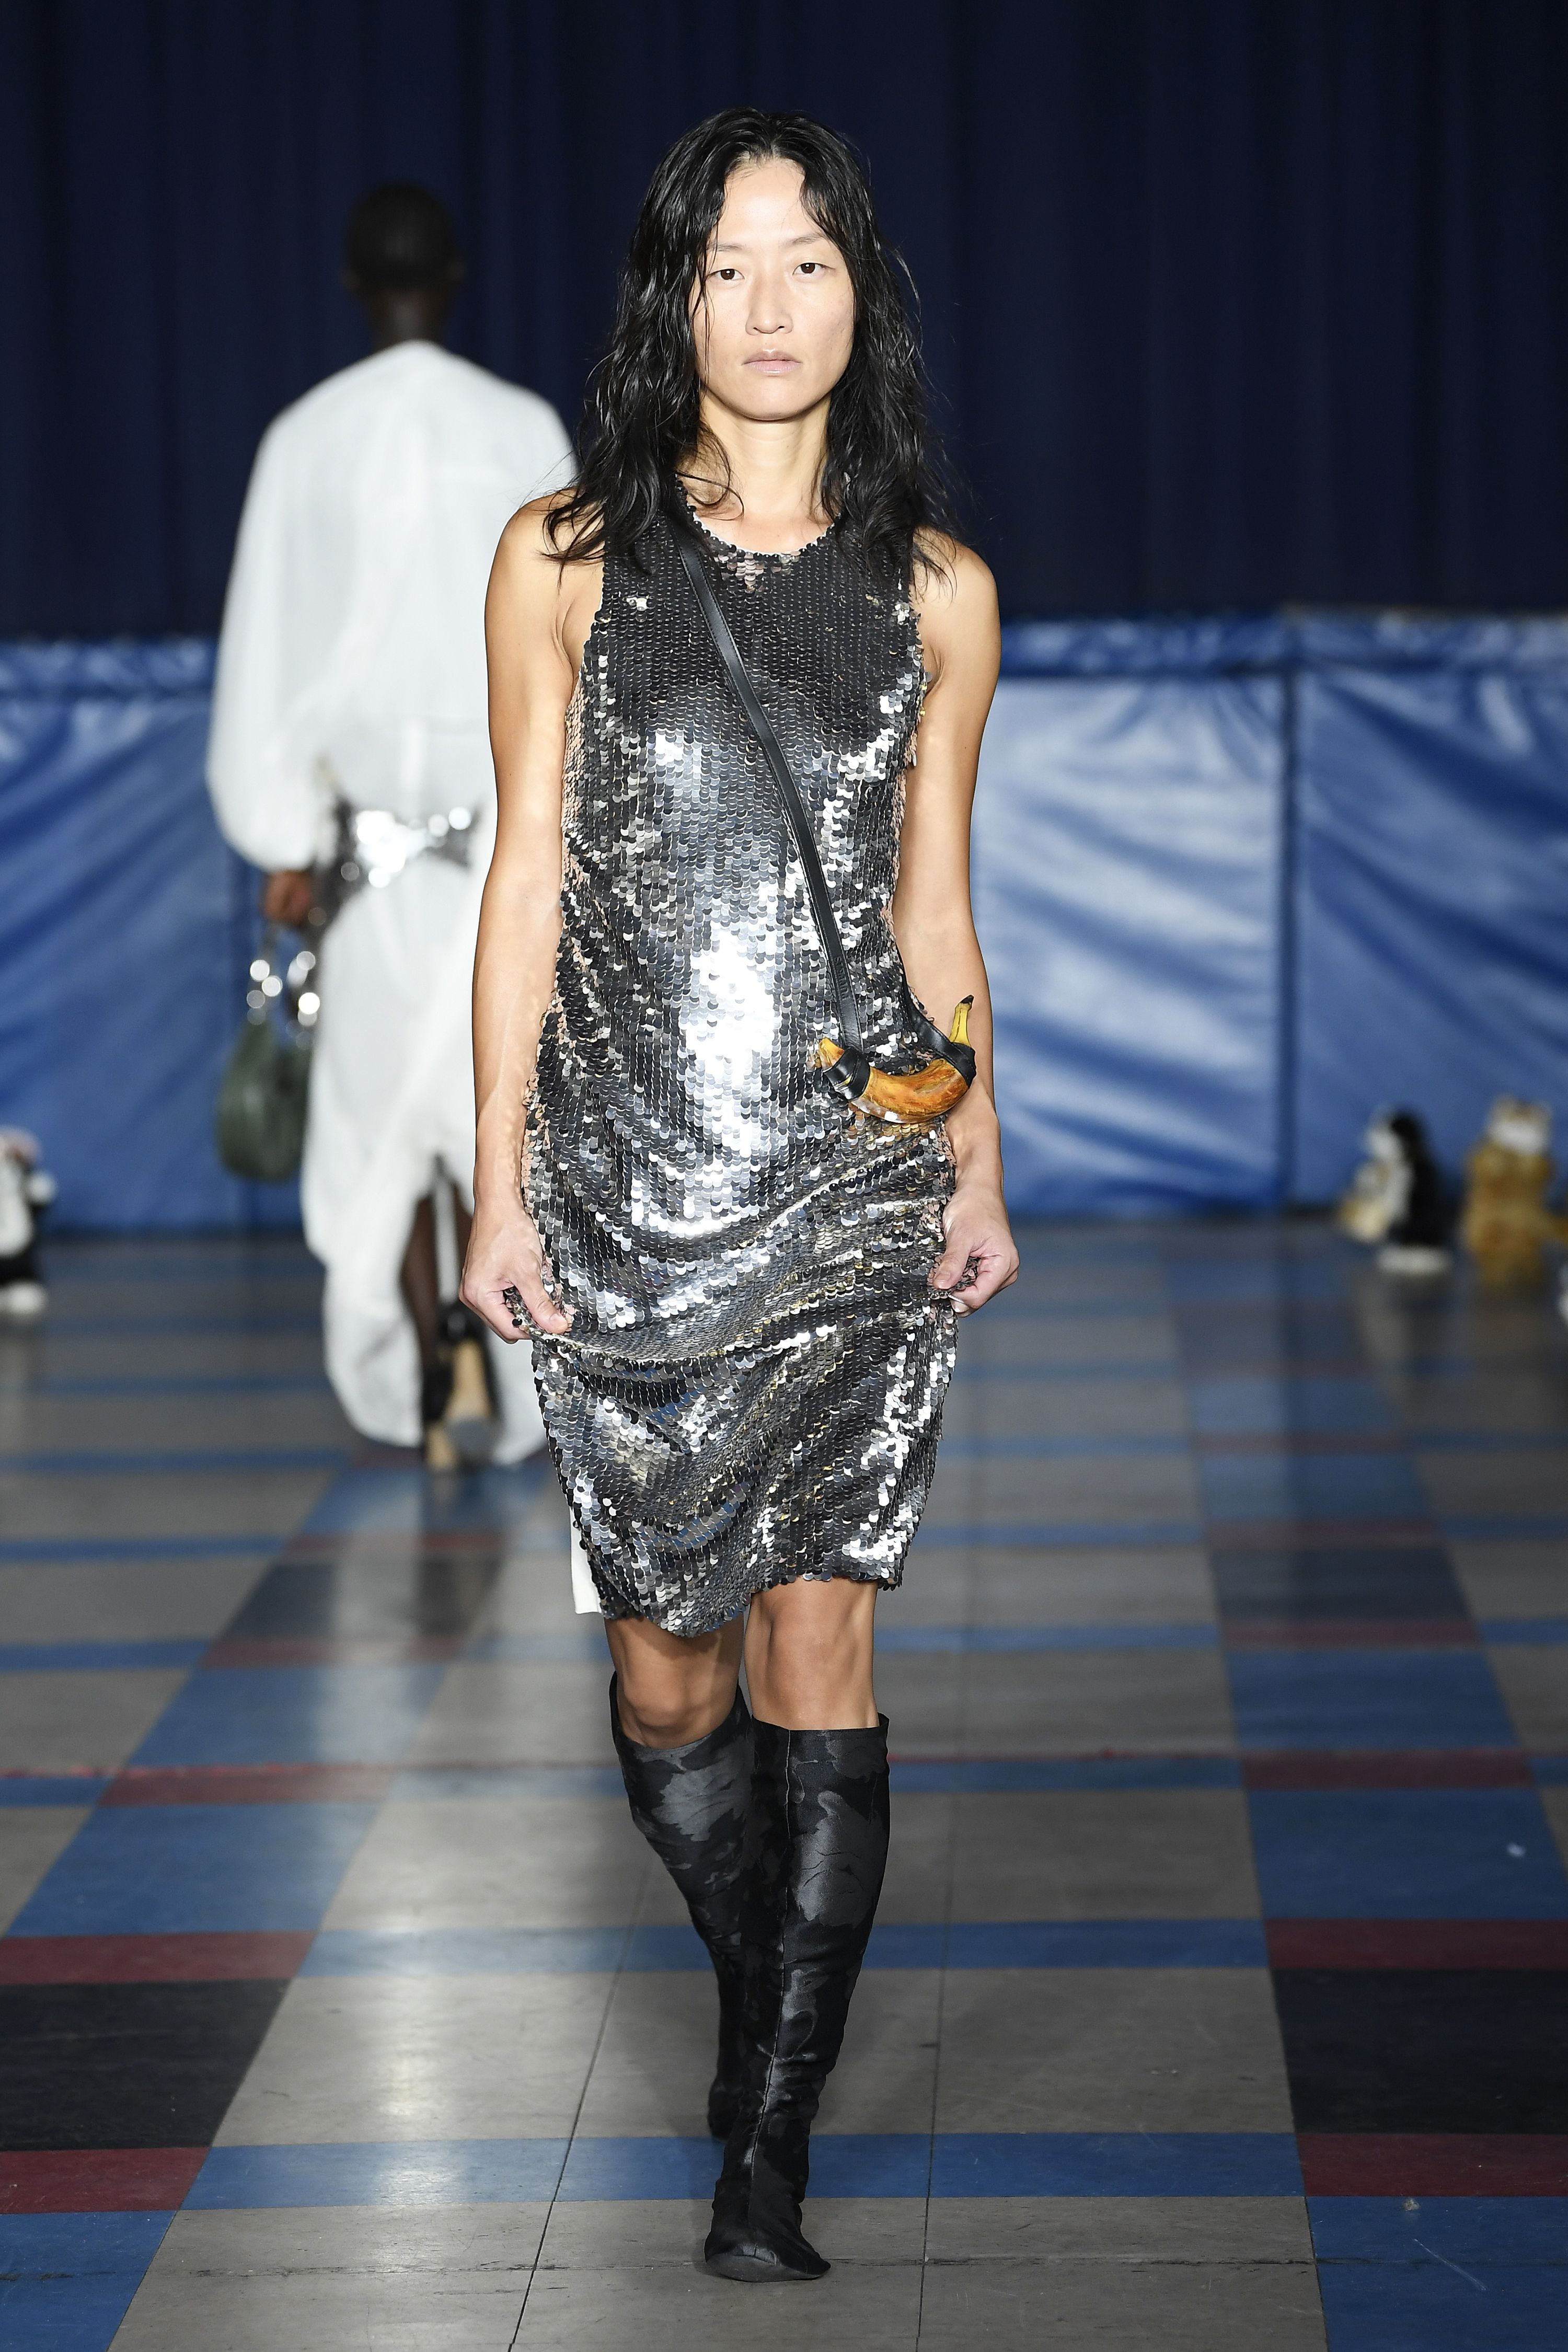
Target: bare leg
{"x": 808, "y": 1655}
{"x": 673, "y": 1689}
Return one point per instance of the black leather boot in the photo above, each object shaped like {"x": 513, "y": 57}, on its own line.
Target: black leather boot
{"x": 690, "y": 1803}
{"x": 817, "y": 1848}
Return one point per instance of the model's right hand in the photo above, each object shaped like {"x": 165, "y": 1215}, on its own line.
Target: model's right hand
{"x": 288, "y": 898}
{"x": 504, "y": 1252}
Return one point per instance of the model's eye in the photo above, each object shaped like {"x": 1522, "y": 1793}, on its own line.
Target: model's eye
{"x": 811, "y": 268}
{"x": 727, "y": 273}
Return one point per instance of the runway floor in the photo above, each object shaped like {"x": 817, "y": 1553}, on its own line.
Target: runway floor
{"x": 1218, "y": 1997}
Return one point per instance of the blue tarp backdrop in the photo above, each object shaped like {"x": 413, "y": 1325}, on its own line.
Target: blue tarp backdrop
{"x": 1239, "y": 881}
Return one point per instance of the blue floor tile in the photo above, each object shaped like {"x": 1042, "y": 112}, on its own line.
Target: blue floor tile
{"x": 66, "y": 2279}
{"x": 1051, "y": 1449}
{"x": 51, "y": 1788}
{"x": 1252, "y": 1405}
{"x": 93, "y": 1657}
{"x": 1115, "y": 2164}
{"x": 1304, "y": 1487}
{"x": 1434, "y": 2305}
{"x": 1473, "y": 2231}
{"x": 401, "y": 2172}
{"x": 406, "y": 1499}
{"x": 292, "y": 1714}
{"x": 1407, "y": 1853}
{"x": 843, "y": 2164}
{"x": 1535, "y": 1632}
{"x": 142, "y": 1870}
{"x": 1367, "y": 1698}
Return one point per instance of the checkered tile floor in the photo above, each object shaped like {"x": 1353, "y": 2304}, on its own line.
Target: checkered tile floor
{"x": 1219, "y": 1996}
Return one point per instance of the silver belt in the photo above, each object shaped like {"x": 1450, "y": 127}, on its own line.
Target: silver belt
{"x": 374, "y": 845}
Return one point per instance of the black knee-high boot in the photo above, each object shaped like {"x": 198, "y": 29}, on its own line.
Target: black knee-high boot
{"x": 817, "y": 1848}
{"x": 691, "y": 1804}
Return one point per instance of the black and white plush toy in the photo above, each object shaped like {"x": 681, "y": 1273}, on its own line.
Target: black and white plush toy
{"x": 1398, "y": 1200}
{"x": 24, "y": 1191}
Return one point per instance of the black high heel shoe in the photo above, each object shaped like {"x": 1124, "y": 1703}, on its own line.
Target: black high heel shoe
{"x": 816, "y": 1855}
{"x": 690, "y": 1803}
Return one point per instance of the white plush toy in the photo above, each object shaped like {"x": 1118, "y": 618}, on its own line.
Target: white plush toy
{"x": 25, "y": 1188}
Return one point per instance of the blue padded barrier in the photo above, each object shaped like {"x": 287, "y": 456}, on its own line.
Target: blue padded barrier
{"x": 124, "y": 926}
{"x": 1240, "y": 880}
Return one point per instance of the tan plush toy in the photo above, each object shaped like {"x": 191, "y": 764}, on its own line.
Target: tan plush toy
{"x": 1507, "y": 1223}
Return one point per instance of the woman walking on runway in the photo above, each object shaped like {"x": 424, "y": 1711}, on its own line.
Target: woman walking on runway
{"x": 709, "y": 1184}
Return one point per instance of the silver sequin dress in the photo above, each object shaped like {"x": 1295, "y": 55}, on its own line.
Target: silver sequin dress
{"x": 751, "y": 1387}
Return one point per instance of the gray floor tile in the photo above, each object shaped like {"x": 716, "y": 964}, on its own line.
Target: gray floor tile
{"x": 1120, "y": 2229}
{"x": 31, "y": 1838}
{"x": 532, "y": 1592}
{"x": 1514, "y": 1580}
{"x": 1062, "y": 1490}
{"x": 1506, "y": 1482}
{"x": 224, "y": 1420}
{"x": 655, "y": 2062}
{"x": 343, "y": 2278}
{"x": 534, "y": 1714}
{"x": 1092, "y": 1854}
{"x": 55, "y": 1721}
{"x": 1500, "y": 1402}
{"x": 1534, "y": 1684}
{"x": 1110, "y": 2050}
{"x": 1176, "y": 2307}
{"x": 187, "y": 1503}
{"x": 885, "y": 2079}
{"x": 398, "y": 2058}
{"x": 1133, "y": 1407}
{"x": 1145, "y": 1340}
{"x": 869, "y": 2307}
{"x": 920, "y": 1859}
{"x": 666, "y": 2234}
{"x": 1057, "y": 1703}
{"x": 1109, "y": 1587}
{"x": 496, "y": 1861}
{"x": 124, "y": 1599}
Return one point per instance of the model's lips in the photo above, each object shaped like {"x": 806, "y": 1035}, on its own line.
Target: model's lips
{"x": 773, "y": 362}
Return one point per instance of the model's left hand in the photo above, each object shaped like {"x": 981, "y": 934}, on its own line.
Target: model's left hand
{"x": 980, "y": 1258}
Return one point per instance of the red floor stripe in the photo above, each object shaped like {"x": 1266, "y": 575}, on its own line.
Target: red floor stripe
{"x": 248, "y": 1784}
{"x": 149, "y": 1960}
{"x": 97, "y": 2180}
{"x": 1417, "y": 1944}
{"x": 1434, "y": 2164}
{"x": 262, "y": 1649}
{"x": 1386, "y": 1768}
{"x": 1349, "y": 1633}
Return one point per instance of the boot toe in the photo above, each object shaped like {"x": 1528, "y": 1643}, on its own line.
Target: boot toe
{"x": 748, "y": 2255}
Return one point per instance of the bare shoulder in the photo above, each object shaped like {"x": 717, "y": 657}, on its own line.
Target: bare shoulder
{"x": 955, "y": 601}
{"x": 537, "y": 589}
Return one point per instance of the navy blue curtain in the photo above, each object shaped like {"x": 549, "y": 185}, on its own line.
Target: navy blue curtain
{"x": 1229, "y": 303}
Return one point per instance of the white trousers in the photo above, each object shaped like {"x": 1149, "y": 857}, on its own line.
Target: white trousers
{"x": 391, "y": 1111}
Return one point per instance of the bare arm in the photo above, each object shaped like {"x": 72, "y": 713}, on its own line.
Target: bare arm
{"x": 930, "y": 912}
{"x": 536, "y": 617}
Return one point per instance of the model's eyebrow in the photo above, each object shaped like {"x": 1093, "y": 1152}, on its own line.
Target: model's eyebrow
{"x": 807, "y": 236}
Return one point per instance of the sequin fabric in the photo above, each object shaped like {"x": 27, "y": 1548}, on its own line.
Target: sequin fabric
{"x": 751, "y": 1387}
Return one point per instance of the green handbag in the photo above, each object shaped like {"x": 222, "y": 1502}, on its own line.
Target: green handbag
{"x": 260, "y": 1122}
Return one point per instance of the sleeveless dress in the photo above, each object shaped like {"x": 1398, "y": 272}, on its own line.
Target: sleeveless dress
{"x": 751, "y": 1387}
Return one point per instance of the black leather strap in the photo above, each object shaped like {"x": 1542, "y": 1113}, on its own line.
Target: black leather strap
{"x": 849, "y": 1034}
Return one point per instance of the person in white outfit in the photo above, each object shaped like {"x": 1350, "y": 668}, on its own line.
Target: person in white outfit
{"x": 349, "y": 736}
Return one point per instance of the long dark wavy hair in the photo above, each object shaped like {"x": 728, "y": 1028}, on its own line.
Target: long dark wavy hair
{"x": 883, "y": 477}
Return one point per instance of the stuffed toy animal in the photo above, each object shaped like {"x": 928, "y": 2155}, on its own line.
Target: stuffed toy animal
{"x": 1397, "y": 1201}
{"x": 25, "y": 1191}
{"x": 1507, "y": 1223}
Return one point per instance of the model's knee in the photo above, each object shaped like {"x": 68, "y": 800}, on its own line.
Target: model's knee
{"x": 670, "y": 1714}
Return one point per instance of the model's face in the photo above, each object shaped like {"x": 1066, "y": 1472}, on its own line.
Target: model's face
{"x": 773, "y": 314}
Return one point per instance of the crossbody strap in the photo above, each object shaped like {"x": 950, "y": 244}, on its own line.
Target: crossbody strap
{"x": 793, "y": 807}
